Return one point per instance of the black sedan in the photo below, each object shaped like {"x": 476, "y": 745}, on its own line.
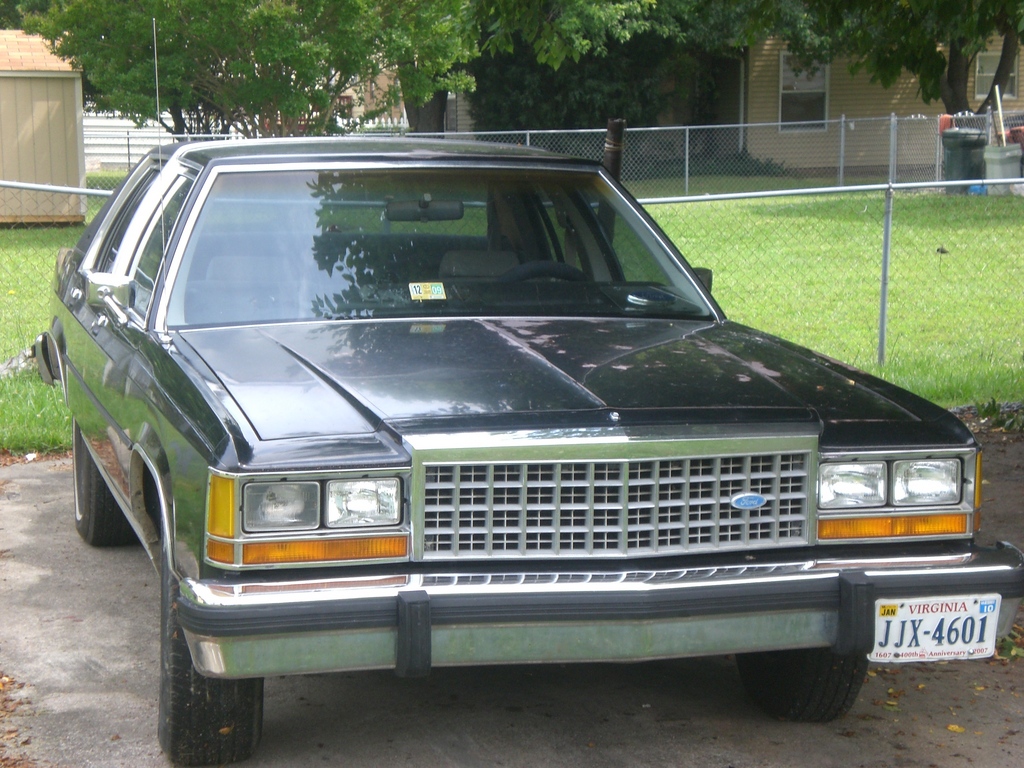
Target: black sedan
{"x": 395, "y": 404}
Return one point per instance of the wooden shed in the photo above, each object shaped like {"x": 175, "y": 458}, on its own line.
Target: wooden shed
{"x": 41, "y": 139}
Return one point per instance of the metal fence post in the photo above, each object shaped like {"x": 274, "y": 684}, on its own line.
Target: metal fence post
{"x": 842, "y": 148}
{"x": 686, "y": 160}
{"x": 883, "y": 311}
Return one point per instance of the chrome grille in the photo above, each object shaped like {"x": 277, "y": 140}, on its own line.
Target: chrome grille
{"x": 632, "y": 507}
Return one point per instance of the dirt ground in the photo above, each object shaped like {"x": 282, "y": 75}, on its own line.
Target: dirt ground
{"x": 75, "y": 692}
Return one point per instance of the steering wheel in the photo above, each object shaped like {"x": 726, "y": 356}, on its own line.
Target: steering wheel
{"x": 534, "y": 269}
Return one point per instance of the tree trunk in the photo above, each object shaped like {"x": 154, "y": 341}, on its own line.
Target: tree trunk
{"x": 178, "y": 119}
{"x": 428, "y": 118}
{"x": 1011, "y": 40}
{"x": 953, "y": 86}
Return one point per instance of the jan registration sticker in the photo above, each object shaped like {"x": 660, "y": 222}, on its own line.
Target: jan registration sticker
{"x": 427, "y": 291}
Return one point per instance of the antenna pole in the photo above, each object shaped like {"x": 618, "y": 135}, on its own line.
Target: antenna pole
{"x": 156, "y": 72}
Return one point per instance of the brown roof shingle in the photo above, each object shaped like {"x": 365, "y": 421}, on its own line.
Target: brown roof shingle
{"x": 21, "y": 52}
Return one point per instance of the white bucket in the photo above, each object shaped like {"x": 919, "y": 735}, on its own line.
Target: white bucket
{"x": 1002, "y": 163}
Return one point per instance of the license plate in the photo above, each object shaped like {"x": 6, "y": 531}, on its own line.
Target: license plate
{"x": 935, "y": 628}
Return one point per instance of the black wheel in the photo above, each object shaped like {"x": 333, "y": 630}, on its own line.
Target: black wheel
{"x": 812, "y": 685}
{"x": 98, "y": 518}
{"x": 533, "y": 269}
{"x": 203, "y": 720}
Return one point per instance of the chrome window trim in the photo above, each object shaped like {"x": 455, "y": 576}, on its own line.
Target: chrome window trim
{"x": 175, "y": 181}
{"x": 144, "y": 168}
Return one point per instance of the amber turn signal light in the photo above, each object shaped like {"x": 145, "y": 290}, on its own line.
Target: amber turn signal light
{"x": 891, "y": 527}
{"x": 324, "y": 550}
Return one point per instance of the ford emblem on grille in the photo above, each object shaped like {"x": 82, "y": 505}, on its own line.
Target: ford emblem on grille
{"x": 748, "y": 501}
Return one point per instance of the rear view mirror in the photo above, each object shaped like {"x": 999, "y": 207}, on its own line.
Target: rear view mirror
{"x": 424, "y": 209}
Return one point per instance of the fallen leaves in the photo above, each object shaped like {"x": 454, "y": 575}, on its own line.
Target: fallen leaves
{"x": 1011, "y": 647}
{"x": 10, "y": 736}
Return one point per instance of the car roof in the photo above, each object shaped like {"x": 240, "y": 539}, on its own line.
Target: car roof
{"x": 358, "y": 148}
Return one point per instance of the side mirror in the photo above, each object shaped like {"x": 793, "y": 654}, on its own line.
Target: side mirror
{"x": 113, "y": 292}
{"x": 102, "y": 289}
{"x": 705, "y": 275}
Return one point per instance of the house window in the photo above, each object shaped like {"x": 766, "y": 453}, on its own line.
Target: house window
{"x": 985, "y": 70}
{"x": 803, "y": 95}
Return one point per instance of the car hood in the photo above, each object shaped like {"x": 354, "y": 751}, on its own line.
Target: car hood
{"x": 334, "y": 378}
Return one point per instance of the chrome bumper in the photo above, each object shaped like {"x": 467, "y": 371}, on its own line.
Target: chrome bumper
{"x": 413, "y": 622}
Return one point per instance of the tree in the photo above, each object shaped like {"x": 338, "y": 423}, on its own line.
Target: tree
{"x": 516, "y": 92}
{"x": 289, "y": 66}
{"x": 621, "y": 72}
{"x": 10, "y": 16}
{"x": 548, "y": 32}
{"x": 266, "y": 67}
{"x": 936, "y": 40}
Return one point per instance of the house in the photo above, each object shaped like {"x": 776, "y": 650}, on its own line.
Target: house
{"x": 41, "y": 139}
{"x": 805, "y": 119}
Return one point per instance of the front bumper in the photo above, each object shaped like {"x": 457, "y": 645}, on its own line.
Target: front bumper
{"x": 411, "y": 622}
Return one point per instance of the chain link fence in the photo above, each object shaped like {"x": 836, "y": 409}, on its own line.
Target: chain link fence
{"x": 937, "y": 275}
{"x": 940, "y": 311}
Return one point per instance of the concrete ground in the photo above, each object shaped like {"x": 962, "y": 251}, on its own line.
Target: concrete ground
{"x": 79, "y": 677}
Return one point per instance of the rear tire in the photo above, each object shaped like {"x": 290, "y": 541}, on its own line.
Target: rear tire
{"x": 98, "y": 518}
{"x": 812, "y": 685}
{"x": 203, "y": 720}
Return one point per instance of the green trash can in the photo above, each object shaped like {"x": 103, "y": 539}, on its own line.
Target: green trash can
{"x": 963, "y": 156}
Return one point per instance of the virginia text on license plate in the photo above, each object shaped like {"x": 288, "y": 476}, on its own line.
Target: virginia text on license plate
{"x": 934, "y": 628}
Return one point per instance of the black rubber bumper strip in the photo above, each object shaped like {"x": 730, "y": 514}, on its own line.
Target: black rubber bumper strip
{"x": 825, "y": 593}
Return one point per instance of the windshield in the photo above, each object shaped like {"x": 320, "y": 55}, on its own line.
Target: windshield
{"x": 271, "y": 246}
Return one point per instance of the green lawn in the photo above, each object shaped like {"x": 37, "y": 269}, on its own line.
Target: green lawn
{"x": 33, "y": 417}
{"x": 810, "y": 270}
{"x": 805, "y": 268}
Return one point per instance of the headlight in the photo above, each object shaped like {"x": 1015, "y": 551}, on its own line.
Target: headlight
{"x": 936, "y": 481}
{"x": 845, "y": 486}
{"x": 280, "y": 506}
{"x": 358, "y": 503}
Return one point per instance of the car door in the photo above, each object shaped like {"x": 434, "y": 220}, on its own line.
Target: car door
{"x": 102, "y": 344}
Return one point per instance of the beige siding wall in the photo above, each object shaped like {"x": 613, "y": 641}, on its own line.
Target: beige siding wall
{"x": 854, "y": 97}
{"x": 41, "y": 142}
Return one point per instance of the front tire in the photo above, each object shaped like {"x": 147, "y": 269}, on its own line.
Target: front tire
{"x": 203, "y": 720}
{"x": 811, "y": 685}
{"x": 98, "y": 518}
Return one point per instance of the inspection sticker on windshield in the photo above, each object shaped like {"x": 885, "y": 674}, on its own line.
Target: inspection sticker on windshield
{"x": 936, "y": 628}
{"x": 426, "y": 291}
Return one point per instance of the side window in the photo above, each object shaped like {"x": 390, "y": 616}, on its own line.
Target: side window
{"x": 112, "y": 241}
{"x": 150, "y": 256}
{"x": 634, "y": 258}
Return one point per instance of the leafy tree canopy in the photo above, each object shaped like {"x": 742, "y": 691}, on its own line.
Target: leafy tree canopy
{"x": 515, "y": 92}
{"x": 936, "y": 40}
{"x": 620, "y": 71}
{"x": 264, "y": 66}
{"x": 284, "y": 66}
